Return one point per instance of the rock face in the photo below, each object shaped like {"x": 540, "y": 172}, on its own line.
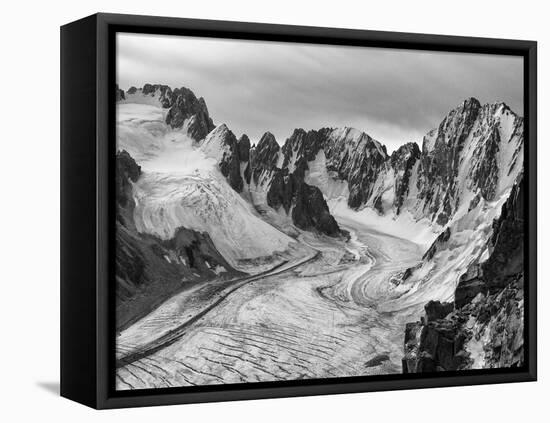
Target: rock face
{"x": 222, "y": 145}
{"x": 507, "y": 241}
{"x": 441, "y": 154}
{"x": 244, "y": 148}
{"x": 230, "y": 164}
{"x": 465, "y": 153}
{"x": 358, "y": 159}
{"x": 487, "y": 313}
{"x": 402, "y": 162}
{"x": 311, "y": 211}
{"x": 286, "y": 187}
{"x": 186, "y": 108}
{"x": 306, "y": 204}
{"x": 127, "y": 170}
{"x": 264, "y": 158}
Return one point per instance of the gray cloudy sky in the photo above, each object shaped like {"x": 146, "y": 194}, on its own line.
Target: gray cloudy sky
{"x": 394, "y": 95}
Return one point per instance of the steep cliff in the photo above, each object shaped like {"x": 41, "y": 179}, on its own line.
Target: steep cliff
{"x": 483, "y": 328}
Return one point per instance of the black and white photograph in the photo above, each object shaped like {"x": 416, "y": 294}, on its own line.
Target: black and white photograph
{"x": 266, "y": 212}
{"x": 293, "y": 211}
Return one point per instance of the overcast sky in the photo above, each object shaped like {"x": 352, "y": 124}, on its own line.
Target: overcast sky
{"x": 394, "y": 95}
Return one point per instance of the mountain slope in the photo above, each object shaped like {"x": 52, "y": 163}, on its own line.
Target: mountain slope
{"x": 483, "y": 328}
{"x": 148, "y": 268}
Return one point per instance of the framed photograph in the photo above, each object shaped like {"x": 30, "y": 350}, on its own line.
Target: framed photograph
{"x": 255, "y": 211}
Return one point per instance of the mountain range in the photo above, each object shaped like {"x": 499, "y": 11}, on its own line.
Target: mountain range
{"x": 447, "y": 191}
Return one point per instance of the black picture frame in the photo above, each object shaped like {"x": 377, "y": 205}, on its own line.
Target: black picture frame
{"x": 87, "y": 208}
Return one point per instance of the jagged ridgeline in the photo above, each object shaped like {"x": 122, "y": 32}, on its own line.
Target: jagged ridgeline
{"x": 452, "y": 187}
{"x": 475, "y": 150}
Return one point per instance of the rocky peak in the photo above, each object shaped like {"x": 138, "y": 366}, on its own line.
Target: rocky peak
{"x": 151, "y": 89}
{"x": 267, "y": 144}
{"x": 265, "y": 156}
{"x": 471, "y": 103}
{"x": 222, "y": 145}
{"x": 303, "y": 145}
{"x": 356, "y": 158}
{"x": 187, "y": 109}
{"x": 162, "y": 92}
{"x": 441, "y": 158}
{"x": 484, "y": 173}
{"x": 244, "y": 148}
{"x": 403, "y": 154}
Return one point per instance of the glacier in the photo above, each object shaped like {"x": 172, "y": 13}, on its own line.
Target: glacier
{"x": 296, "y": 300}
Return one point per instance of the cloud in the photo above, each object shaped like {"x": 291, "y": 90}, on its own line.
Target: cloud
{"x": 394, "y": 95}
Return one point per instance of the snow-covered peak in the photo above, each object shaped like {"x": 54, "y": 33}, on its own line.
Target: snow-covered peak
{"x": 218, "y": 142}
{"x": 183, "y": 109}
{"x": 355, "y": 138}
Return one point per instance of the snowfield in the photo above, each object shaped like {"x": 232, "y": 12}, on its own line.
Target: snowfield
{"x": 204, "y": 202}
{"x": 182, "y": 187}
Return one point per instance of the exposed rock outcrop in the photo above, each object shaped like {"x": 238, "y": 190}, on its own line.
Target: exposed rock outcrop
{"x": 127, "y": 171}
{"x": 484, "y": 326}
{"x": 186, "y": 108}
{"x": 287, "y": 188}
{"x": 358, "y": 159}
{"x": 244, "y": 148}
{"x": 264, "y": 157}
{"x": 402, "y": 162}
{"x": 311, "y": 211}
{"x": 222, "y": 145}
{"x": 439, "y": 243}
{"x": 230, "y": 163}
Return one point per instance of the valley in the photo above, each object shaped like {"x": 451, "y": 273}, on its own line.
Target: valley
{"x": 314, "y": 258}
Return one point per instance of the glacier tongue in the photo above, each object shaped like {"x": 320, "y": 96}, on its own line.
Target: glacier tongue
{"x": 204, "y": 202}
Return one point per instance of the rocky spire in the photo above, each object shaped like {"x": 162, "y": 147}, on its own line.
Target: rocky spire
{"x": 185, "y": 107}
